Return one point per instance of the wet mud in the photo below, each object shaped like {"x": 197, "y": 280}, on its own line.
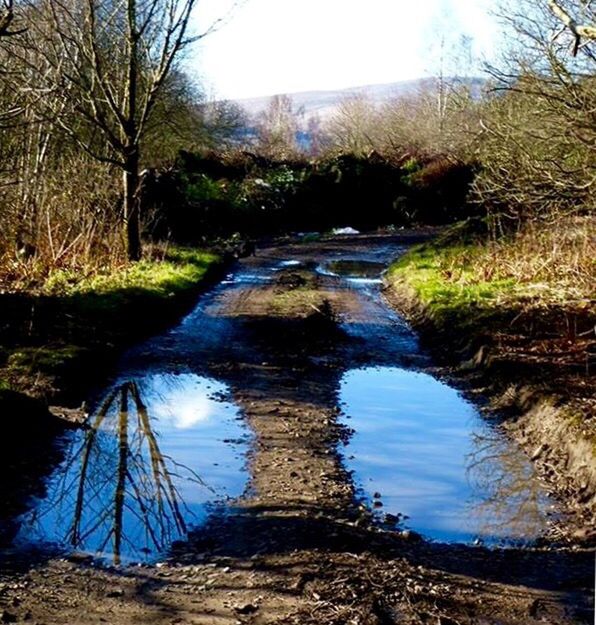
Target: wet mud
{"x": 296, "y": 530}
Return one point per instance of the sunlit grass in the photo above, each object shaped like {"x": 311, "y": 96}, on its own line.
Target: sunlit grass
{"x": 96, "y": 312}
{"x": 548, "y": 265}
{"x": 178, "y": 269}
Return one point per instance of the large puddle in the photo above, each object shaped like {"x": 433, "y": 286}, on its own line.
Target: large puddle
{"x": 355, "y": 272}
{"x": 425, "y": 459}
{"x": 160, "y": 451}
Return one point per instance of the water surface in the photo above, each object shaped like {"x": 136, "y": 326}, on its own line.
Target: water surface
{"x": 423, "y": 454}
{"x": 165, "y": 445}
{"x": 160, "y": 450}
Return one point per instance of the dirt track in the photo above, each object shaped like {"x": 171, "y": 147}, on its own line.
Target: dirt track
{"x": 296, "y": 548}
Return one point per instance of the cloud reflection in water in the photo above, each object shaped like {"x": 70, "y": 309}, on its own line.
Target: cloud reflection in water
{"x": 148, "y": 466}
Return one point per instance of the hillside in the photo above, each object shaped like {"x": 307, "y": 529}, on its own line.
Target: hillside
{"x": 324, "y": 103}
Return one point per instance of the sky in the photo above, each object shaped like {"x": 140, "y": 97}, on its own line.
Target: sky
{"x": 265, "y": 47}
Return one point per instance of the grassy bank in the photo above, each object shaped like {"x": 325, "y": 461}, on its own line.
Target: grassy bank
{"x": 543, "y": 266}
{"x": 53, "y": 338}
{"x": 528, "y": 299}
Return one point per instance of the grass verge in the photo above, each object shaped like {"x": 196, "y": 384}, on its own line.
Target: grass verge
{"x": 529, "y": 298}
{"x": 52, "y": 339}
{"x": 542, "y": 267}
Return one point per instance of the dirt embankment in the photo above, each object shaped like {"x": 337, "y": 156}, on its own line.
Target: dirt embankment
{"x": 540, "y": 386}
{"x": 297, "y": 548}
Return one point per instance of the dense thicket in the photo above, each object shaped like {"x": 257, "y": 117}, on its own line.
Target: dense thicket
{"x": 205, "y": 197}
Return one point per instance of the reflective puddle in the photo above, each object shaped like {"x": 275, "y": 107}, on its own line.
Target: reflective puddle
{"x": 424, "y": 456}
{"x": 160, "y": 451}
{"x": 356, "y": 268}
{"x": 164, "y": 450}
{"x": 355, "y": 271}
{"x": 246, "y": 278}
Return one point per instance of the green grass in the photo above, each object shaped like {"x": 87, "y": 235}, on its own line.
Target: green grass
{"x": 181, "y": 269}
{"x": 445, "y": 280}
{"x": 79, "y": 321}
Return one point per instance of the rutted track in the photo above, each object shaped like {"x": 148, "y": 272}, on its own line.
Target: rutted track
{"x": 296, "y": 548}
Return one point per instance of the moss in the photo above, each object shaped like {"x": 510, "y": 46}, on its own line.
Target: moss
{"x": 47, "y": 360}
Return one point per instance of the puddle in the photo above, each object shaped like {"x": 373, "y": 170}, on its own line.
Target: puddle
{"x": 354, "y": 271}
{"x": 356, "y": 268}
{"x": 246, "y": 278}
{"x": 432, "y": 458}
{"x": 161, "y": 451}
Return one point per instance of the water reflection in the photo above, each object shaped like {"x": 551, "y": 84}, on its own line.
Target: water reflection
{"x": 241, "y": 278}
{"x": 150, "y": 462}
{"x": 356, "y": 268}
{"x": 355, "y": 272}
{"x": 432, "y": 458}
{"x": 510, "y": 500}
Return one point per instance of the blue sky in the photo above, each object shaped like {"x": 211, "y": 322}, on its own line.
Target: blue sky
{"x": 284, "y": 46}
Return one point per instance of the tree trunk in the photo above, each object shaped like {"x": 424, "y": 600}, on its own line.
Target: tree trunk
{"x": 131, "y": 169}
{"x": 131, "y": 208}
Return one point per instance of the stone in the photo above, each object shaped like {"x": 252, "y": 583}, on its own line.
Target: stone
{"x": 79, "y": 557}
{"x": 246, "y": 608}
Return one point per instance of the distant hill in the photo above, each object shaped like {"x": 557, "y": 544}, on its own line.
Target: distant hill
{"x": 325, "y": 103}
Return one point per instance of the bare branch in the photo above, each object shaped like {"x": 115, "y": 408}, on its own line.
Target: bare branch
{"x": 587, "y": 31}
{"x": 6, "y": 20}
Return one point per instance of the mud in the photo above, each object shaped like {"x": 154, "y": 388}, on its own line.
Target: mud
{"x": 298, "y": 547}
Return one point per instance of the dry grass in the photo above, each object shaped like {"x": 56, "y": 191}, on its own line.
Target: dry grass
{"x": 556, "y": 261}
{"x": 529, "y": 299}
{"x": 63, "y": 221}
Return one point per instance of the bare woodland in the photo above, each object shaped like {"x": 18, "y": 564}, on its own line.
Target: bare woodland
{"x": 92, "y": 94}
{"x": 83, "y": 84}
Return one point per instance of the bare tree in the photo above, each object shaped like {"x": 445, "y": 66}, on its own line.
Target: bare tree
{"x": 224, "y": 122}
{"x": 352, "y": 127}
{"x": 106, "y": 63}
{"x": 537, "y": 136}
{"x": 317, "y": 136}
{"x": 7, "y": 17}
{"x": 586, "y": 31}
{"x": 277, "y": 127}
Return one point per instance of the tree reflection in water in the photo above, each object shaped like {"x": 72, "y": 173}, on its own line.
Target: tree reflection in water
{"x": 117, "y": 493}
{"x": 510, "y": 502}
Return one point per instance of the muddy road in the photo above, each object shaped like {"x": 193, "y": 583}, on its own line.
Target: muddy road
{"x": 285, "y": 455}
